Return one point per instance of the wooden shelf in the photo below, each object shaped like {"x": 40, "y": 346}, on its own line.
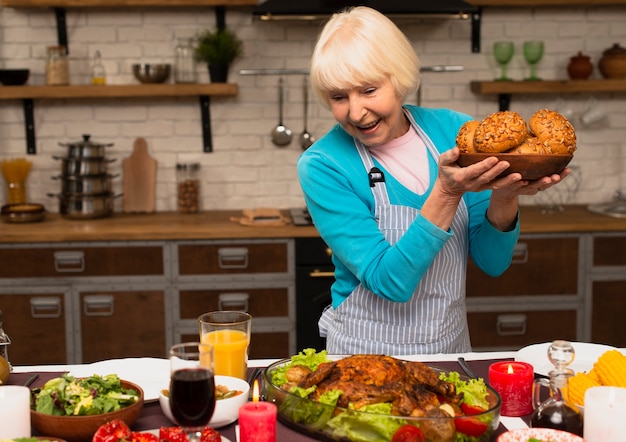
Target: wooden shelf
{"x": 121, "y": 3}
{"x": 504, "y": 89}
{"x": 507, "y": 3}
{"x": 118, "y": 91}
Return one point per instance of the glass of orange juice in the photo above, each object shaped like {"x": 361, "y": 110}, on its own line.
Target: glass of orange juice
{"x": 229, "y": 334}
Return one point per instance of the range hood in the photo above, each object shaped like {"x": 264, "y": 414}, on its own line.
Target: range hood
{"x": 322, "y": 9}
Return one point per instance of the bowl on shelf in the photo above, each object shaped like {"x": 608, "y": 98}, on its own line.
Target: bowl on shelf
{"x": 531, "y": 166}
{"x": 14, "y": 77}
{"x": 226, "y": 410}
{"x": 82, "y": 428}
{"x": 152, "y": 73}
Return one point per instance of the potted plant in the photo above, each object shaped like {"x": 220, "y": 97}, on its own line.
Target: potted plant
{"x": 218, "y": 49}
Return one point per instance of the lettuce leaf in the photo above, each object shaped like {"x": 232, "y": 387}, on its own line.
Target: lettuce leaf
{"x": 474, "y": 390}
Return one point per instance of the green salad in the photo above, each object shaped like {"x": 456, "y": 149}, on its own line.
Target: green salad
{"x": 367, "y": 424}
{"x": 69, "y": 396}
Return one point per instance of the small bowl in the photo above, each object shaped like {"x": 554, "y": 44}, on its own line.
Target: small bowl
{"x": 14, "y": 77}
{"x": 82, "y": 428}
{"x": 524, "y": 434}
{"x": 23, "y": 213}
{"x": 152, "y": 73}
{"x": 532, "y": 167}
{"x": 226, "y": 410}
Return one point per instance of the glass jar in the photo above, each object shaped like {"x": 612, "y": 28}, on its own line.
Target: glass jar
{"x": 185, "y": 64}
{"x": 57, "y": 67}
{"x": 188, "y": 187}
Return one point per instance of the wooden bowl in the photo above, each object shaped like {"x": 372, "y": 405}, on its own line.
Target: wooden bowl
{"x": 532, "y": 167}
{"x": 82, "y": 428}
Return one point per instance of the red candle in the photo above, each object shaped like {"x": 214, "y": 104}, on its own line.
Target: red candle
{"x": 257, "y": 420}
{"x": 514, "y": 383}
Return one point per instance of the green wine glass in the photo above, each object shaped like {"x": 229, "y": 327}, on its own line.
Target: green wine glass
{"x": 503, "y": 53}
{"x": 533, "y": 52}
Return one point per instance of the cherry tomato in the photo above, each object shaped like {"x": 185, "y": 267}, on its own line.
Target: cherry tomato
{"x": 470, "y": 426}
{"x": 137, "y": 436}
{"x": 408, "y": 433}
{"x": 472, "y": 409}
{"x": 112, "y": 431}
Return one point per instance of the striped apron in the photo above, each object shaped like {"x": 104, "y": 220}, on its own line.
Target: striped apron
{"x": 434, "y": 320}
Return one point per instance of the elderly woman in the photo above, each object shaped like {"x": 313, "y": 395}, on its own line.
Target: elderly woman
{"x": 386, "y": 196}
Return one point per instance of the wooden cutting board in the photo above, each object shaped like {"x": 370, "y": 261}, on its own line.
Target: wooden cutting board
{"x": 139, "y": 179}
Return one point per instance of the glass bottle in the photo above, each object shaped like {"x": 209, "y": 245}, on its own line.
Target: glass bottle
{"x": 57, "y": 67}
{"x": 98, "y": 75}
{"x": 188, "y": 187}
{"x": 4, "y": 342}
{"x": 185, "y": 64}
{"x": 554, "y": 411}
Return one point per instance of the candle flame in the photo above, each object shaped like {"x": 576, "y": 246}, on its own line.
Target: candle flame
{"x": 510, "y": 369}
{"x": 255, "y": 391}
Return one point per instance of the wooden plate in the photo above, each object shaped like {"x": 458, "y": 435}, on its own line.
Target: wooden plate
{"x": 532, "y": 167}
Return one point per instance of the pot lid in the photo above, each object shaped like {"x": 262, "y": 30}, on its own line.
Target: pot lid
{"x": 86, "y": 142}
{"x": 616, "y": 49}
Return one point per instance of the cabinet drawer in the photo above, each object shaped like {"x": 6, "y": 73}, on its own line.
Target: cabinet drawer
{"x": 546, "y": 266}
{"x": 233, "y": 258}
{"x": 36, "y": 324}
{"x": 609, "y": 251}
{"x": 516, "y": 329}
{"x": 263, "y": 345}
{"x": 259, "y": 302}
{"x": 607, "y": 315}
{"x": 43, "y": 262}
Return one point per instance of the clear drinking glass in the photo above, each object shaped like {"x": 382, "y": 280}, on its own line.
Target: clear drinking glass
{"x": 533, "y": 53}
{"x": 503, "y": 53}
{"x": 192, "y": 386}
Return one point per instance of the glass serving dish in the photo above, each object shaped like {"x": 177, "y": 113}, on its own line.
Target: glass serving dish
{"x": 331, "y": 423}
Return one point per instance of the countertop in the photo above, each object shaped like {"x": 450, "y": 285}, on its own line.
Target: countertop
{"x": 218, "y": 225}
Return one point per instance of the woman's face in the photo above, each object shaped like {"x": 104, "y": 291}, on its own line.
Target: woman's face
{"x": 370, "y": 112}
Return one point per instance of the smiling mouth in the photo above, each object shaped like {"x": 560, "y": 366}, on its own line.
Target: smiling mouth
{"x": 368, "y": 126}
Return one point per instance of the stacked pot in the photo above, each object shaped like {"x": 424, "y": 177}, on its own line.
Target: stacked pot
{"x": 86, "y": 191}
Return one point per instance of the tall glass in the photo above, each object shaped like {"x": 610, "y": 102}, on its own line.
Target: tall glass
{"x": 228, "y": 332}
{"x": 192, "y": 386}
{"x": 503, "y": 53}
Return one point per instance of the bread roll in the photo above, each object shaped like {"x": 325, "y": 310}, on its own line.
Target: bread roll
{"x": 465, "y": 137}
{"x": 499, "y": 132}
{"x": 554, "y": 131}
{"x": 531, "y": 145}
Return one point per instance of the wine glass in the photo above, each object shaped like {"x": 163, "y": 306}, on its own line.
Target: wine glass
{"x": 533, "y": 52}
{"x": 503, "y": 52}
{"x": 192, "y": 387}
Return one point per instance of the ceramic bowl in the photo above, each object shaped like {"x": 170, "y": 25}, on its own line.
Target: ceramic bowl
{"x": 23, "y": 213}
{"x": 547, "y": 434}
{"x": 226, "y": 410}
{"x": 532, "y": 167}
{"x": 14, "y": 77}
{"x": 152, "y": 73}
{"x": 82, "y": 428}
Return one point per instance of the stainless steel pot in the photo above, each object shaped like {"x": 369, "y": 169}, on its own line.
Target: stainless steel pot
{"x": 85, "y": 185}
{"x": 86, "y": 206}
{"x": 86, "y": 148}
{"x": 83, "y": 166}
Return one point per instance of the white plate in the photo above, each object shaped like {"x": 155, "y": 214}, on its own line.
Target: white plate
{"x": 149, "y": 373}
{"x": 155, "y": 431}
{"x": 586, "y": 355}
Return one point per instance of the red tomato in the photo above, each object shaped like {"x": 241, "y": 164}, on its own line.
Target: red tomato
{"x": 210, "y": 435}
{"x": 137, "y": 436}
{"x": 172, "y": 434}
{"x": 112, "y": 431}
{"x": 472, "y": 409}
{"x": 408, "y": 433}
{"x": 470, "y": 426}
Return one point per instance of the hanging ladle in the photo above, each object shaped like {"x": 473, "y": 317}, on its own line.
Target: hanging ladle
{"x": 306, "y": 139}
{"x": 281, "y": 135}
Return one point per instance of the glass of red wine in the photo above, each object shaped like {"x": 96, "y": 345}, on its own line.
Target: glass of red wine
{"x": 192, "y": 387}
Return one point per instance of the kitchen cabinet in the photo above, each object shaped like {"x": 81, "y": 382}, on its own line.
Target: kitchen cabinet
{"x": 540, "y": 297}
{"x": 256, "y": 276}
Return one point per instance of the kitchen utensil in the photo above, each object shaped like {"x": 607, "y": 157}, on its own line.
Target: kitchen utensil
{"x": 281, "y": 135}
{"x": 139, "y": 179}
{"x": 466, "y": 368}
{"x": 152, "y": 73}
{"x": 85, "y": 206}
{"x": 555, "y": 198}
{"x": 23, "y": 213}
{"x": 14, "y": 77}
{"x": 531, "y": 166}
{"x": 85, "y": 184}
{"x": 306, "y": 139}
{"x": 83, "y": 166}
{"x": 86, "y": 148}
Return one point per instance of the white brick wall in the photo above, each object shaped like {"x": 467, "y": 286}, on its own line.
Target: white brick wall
{"x": 246, "y": 170}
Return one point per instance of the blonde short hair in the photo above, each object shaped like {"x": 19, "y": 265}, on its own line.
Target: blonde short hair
{"x": 360, "y": 45}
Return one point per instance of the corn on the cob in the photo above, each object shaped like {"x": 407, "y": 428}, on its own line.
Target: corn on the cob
{"x": 577, "y": 385}
{"x": 611, "y": 368}
{"x": 593, "y": 374}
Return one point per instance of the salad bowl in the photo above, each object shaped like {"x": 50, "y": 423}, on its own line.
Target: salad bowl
{"x": 333, "y": 423}
{"x": 82, "y": 428}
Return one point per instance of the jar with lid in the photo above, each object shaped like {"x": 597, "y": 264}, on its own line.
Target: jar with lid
{"x": 188, "y": 187}
{"x": 185, "y": 64}
{"x": 57, "y": 67}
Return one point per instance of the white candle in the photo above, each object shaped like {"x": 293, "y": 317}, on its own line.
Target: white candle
{"x": 14, "y": 412}
{"x": 605, "y": 410}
